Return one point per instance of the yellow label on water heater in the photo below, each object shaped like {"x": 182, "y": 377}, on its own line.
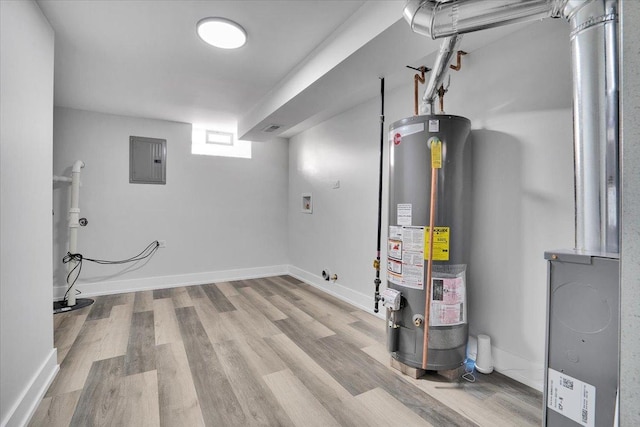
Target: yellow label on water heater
{"x": 440, "y": 243}
{"x": 436, "y": 152}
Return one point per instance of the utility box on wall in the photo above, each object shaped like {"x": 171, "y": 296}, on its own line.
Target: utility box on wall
{"x": 581, "y": 375}
{"x": 147, "y": 160}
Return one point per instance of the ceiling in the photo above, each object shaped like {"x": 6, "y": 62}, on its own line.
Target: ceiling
{"x": 304, "y": 60}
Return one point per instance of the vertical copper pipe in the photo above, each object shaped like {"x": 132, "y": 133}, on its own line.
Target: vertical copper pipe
{"x": 427, "y": 298}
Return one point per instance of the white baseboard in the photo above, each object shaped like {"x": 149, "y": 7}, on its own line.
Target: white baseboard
{"x": 513, "y": 366}
{"x": 89, "y": 289}
{"x": 357, "y": 299}
{"x": 24, "y": 408}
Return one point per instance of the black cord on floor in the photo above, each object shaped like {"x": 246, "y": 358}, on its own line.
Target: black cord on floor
{"x": 78, "y": 259}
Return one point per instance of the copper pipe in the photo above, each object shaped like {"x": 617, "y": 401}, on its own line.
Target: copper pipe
{"x": 427, "y": 298}
{"x": 458, "y": 63}
{"x": 417, "y": 79}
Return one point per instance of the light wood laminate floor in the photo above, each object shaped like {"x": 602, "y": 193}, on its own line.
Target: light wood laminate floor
{"x": 270, "y": 352}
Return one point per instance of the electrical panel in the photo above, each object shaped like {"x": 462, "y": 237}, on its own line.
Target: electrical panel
{"x": 147, "y": 160}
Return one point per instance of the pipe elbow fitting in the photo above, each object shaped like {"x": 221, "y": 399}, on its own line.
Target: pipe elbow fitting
{"x": 79, "y": 164}
{"x": 419, "y": 14}
{"x": 410, "y": 9}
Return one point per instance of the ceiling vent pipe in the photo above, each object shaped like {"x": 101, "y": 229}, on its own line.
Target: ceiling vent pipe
{"x": 595, "y": 92}
{"x": 440, "y": 70}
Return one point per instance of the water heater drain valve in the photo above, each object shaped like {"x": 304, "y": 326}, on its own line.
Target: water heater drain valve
{"x": 418, "y": 320}
{"x": 391, "y": 299}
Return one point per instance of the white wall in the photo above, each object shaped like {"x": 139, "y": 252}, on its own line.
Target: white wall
{"x": 27, "y": 357}
{"x": 340, "y": 234}
{"x": 517, "y": 92}
{"x": 630, "y": 244}
{"x": 222, "y": 218}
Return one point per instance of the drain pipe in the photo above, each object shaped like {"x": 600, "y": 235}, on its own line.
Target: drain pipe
{"x": 74, "y": 224}
{"x": 595, "y": 92}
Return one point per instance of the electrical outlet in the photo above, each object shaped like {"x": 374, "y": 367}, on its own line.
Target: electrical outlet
{"x": 162, "y": 243}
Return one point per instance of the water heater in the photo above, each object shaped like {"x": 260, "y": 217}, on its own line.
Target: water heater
{"x": 412, "y": 143}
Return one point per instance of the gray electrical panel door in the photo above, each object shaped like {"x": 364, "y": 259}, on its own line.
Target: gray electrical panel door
{"x": 147, "y": 160}
{"x": 581, "y": 376}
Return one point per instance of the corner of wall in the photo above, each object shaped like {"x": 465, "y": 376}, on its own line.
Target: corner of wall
{"x": 344, "y": 293}
{"x": 22, "y": 411}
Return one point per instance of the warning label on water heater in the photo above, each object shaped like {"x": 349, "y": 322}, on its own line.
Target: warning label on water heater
{"x": 405, "y": 256}
{"x": 440, "y": 243}
{"x": 448, "y": 295}
{"x": 403, "y": 213}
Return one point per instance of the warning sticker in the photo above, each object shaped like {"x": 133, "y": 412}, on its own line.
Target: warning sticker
{"x": 571, "y": 397}
{"x": 406, "y": 265}
{"x": 404, "y": 213}
{"x": 405, "y": 130}
{"x": 447, "y": 301}
{"x": 394, "y": 249}
{"x": 413, "y": 257}
{"x": 413, "y": 270}
{"x": 394, "y": 266}
{"x": 440, "y": 243}
{"x": 395, "y": 232}
{"x": 413, "y": 238}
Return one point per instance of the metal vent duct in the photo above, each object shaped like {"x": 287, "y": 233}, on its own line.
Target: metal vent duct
{"x": 595, "y": 92}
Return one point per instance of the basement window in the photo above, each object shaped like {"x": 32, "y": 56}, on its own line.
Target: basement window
{"x": 216, "y": 137}
{"x": 208, "y": 142}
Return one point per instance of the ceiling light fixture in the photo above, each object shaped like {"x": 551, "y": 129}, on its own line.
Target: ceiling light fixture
{"x": 222, "y": 33}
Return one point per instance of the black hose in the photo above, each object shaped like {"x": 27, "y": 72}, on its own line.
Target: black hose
{"x": 377, "y": 262}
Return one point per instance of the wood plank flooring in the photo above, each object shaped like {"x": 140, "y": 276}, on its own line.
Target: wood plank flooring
{"x": 262, "y": 352}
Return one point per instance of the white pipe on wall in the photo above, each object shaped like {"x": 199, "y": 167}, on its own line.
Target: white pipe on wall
{"x": 74, "y": 224}
{"x": 57, "y": 178}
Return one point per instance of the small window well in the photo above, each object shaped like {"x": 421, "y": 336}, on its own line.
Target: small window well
{"x": 222, "y": 138}
{"x": 218, "y": 143}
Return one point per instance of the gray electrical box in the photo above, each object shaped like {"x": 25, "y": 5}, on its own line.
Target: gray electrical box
{"x": 581, "y": 372}
{"x": 147, "y": 160}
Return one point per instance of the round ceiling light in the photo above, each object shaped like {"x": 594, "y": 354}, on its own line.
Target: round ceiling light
{"x": 222, "y": 33}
